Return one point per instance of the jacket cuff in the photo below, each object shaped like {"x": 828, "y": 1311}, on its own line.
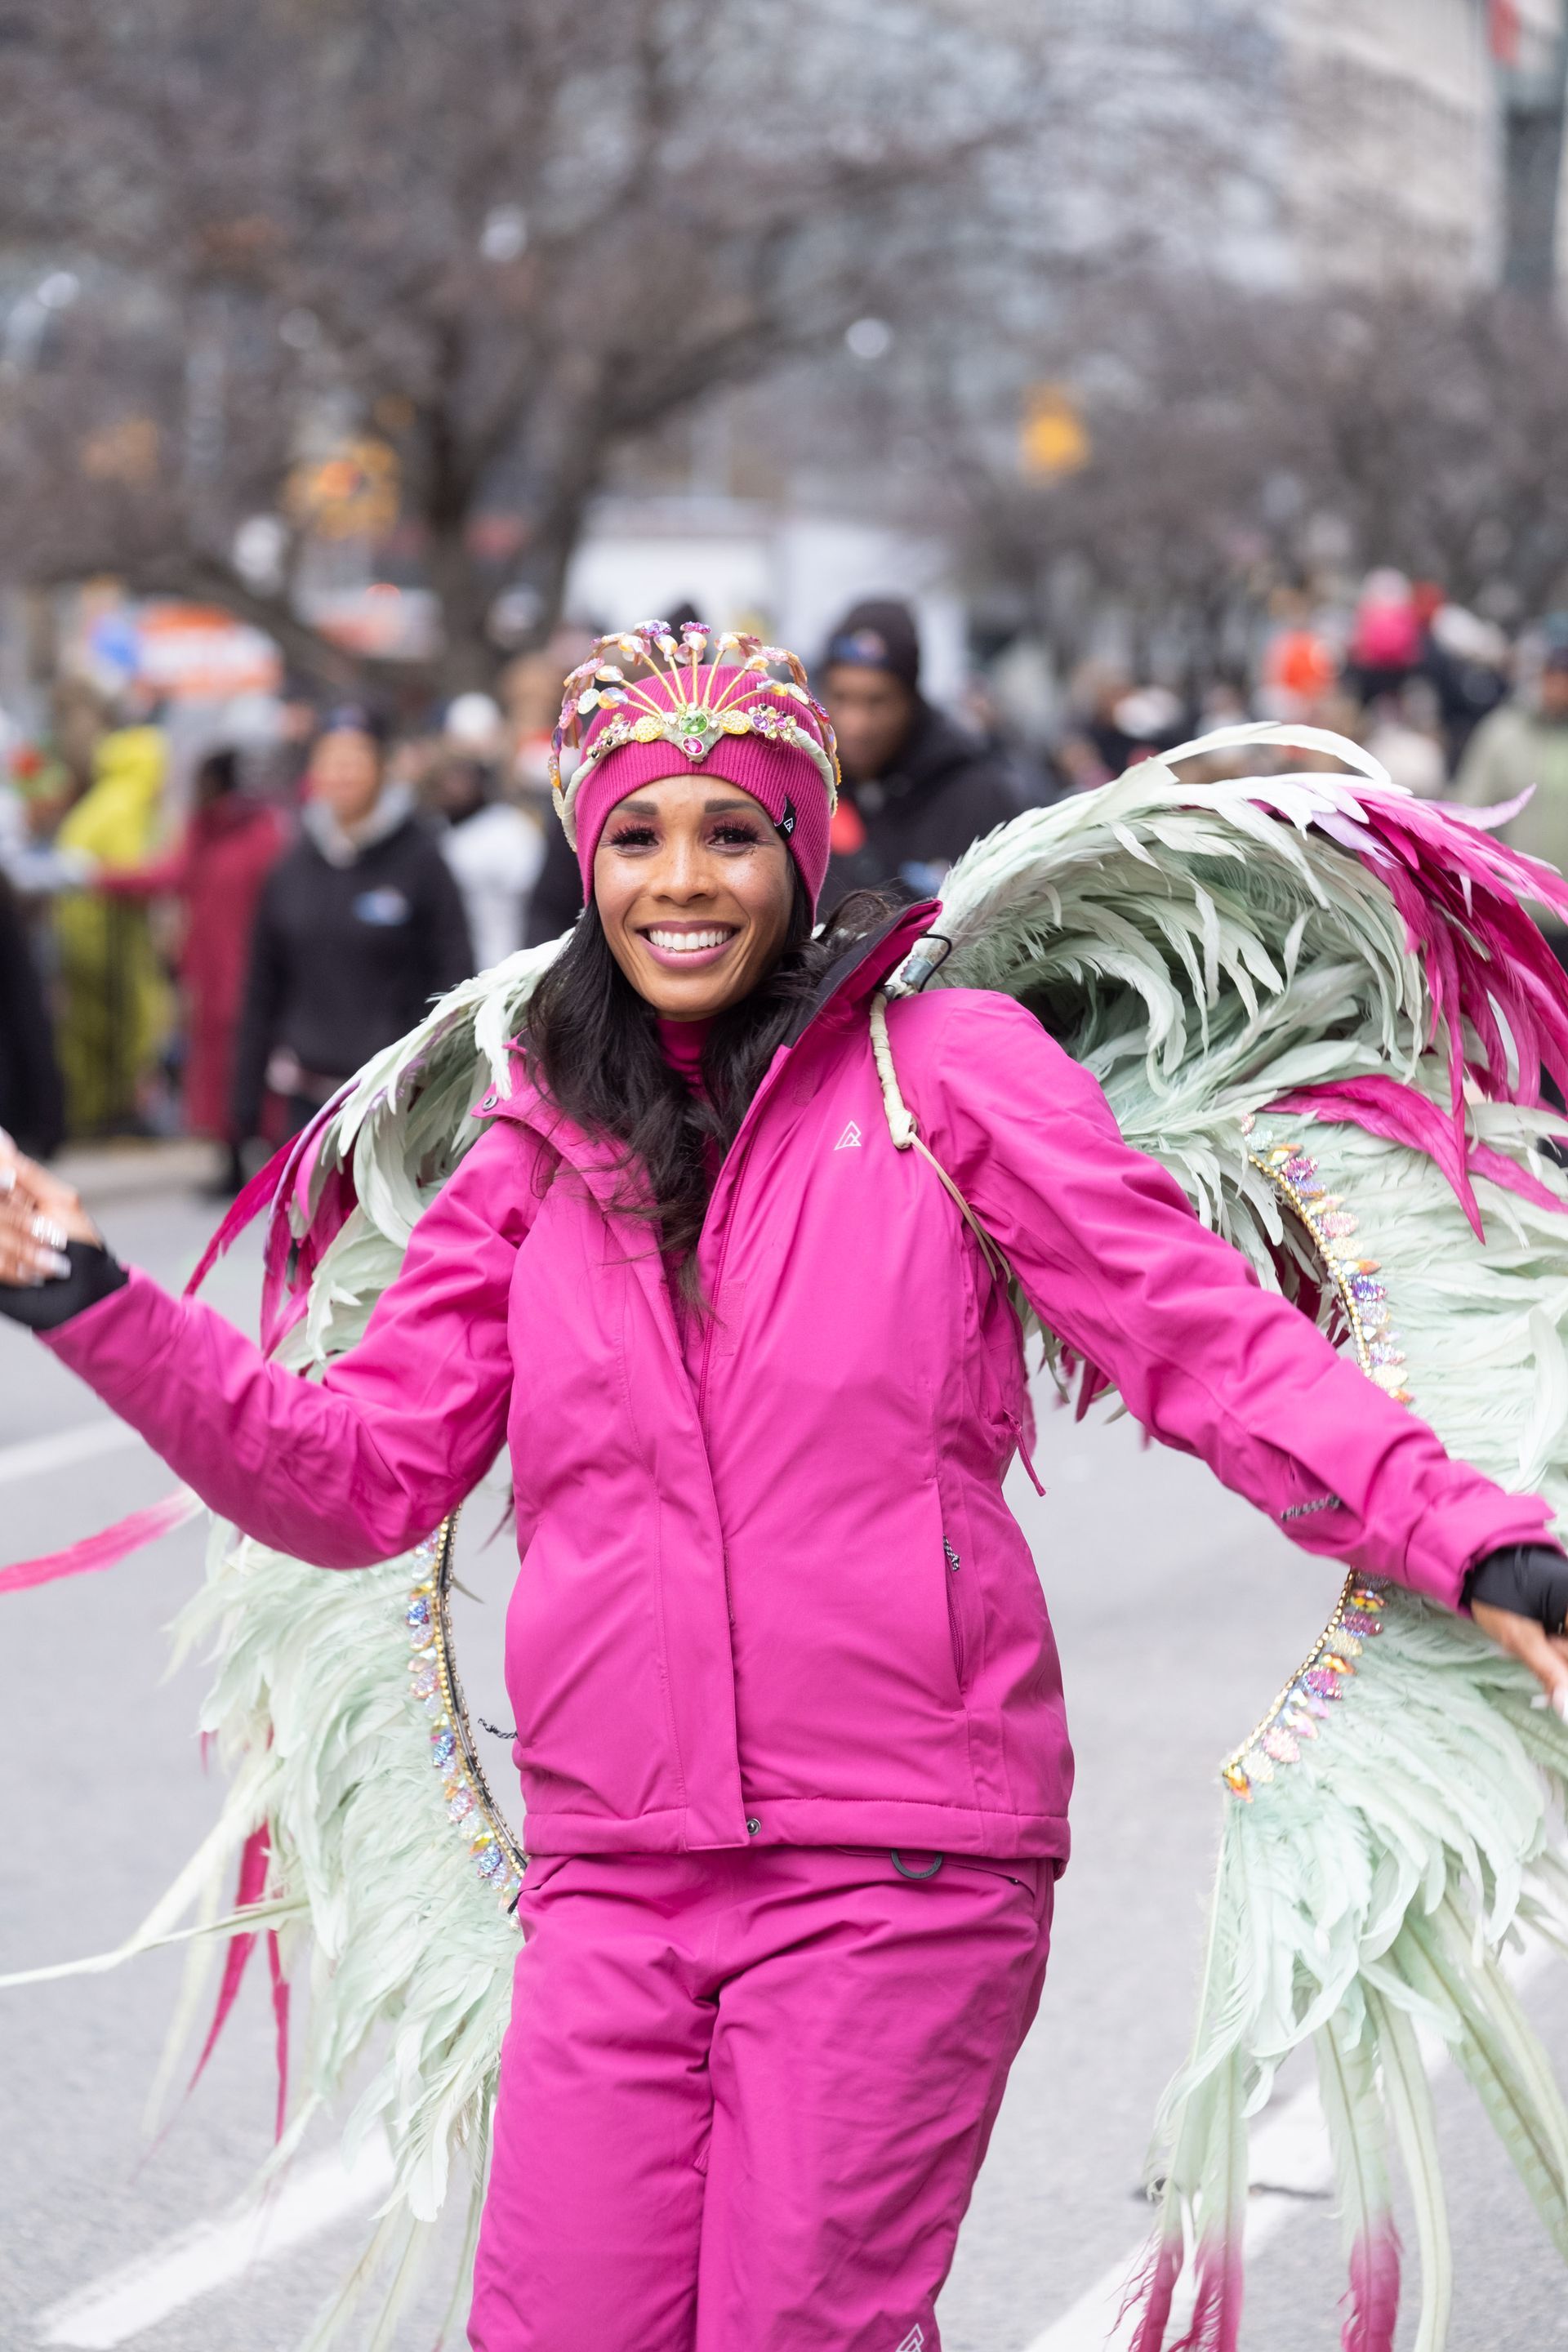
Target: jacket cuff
{"x": 117, "y": 1346}
{"x": 1451, "y": 1537}
{"x": 46, "y": 1305}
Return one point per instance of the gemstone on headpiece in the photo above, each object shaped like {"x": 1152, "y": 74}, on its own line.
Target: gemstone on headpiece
{"x": 647, "y": 730}
{"x": 694, "y": 746}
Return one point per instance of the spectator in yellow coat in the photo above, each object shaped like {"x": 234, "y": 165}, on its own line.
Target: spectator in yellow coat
{"x": 114, "y": 1001}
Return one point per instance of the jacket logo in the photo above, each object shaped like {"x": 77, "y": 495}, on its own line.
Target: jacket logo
{"x": 849, "y": 1141}
{"x": 914, "y": 2341}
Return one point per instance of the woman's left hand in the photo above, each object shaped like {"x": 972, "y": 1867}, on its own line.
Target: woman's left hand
{"x": 1546, "y": 1655}
{"x": 38, "y": 1215}
{"x": 1518, "y": 1596}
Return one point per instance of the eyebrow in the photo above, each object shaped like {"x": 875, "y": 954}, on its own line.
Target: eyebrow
{"x": 710, "y": 808}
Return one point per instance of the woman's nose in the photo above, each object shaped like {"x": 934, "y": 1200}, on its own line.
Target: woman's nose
{"x": 684, "y": 872}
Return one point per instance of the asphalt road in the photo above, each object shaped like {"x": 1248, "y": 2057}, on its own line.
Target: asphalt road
{"x": 1178, "y": 1610}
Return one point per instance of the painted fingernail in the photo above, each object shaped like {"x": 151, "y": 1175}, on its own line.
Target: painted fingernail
{"x": 46, "y": 1229}
{"x": 1559, "y": 1701}
{"x": 7, "y": 1181}
{"x": 56, "y": 1262}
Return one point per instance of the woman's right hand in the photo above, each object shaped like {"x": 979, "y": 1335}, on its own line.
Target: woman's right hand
{"x": 38, "y": 1215}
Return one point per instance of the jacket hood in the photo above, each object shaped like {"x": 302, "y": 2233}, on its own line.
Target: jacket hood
{"x": 342, "y": 845}
{"x": 115, "y": 817}
{"x": 935, "y": 750}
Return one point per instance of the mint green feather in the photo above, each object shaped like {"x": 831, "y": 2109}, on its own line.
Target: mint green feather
{"x": 1203, "y": 950}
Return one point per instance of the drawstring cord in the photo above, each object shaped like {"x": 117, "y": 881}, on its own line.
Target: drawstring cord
{"x": 906, "y": 1135}
{"x": 903, "y": 1128}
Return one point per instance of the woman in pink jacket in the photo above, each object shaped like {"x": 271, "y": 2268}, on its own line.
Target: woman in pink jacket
{"x": 789, "y": 1714}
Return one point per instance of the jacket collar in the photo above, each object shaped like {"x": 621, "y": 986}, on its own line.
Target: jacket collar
{"x": 343, "y": 845}
{"x": 865, "y": 964}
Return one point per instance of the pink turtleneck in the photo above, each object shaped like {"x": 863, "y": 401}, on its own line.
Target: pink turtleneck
{"x": 681, "y": 1043}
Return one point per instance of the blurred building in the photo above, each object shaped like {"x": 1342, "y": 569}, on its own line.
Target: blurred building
{"x": 1413, "y": 137}
{"x": 786, "y": 564}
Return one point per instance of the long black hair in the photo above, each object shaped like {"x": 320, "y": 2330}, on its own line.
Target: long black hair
{"x": 593, "y": 1049}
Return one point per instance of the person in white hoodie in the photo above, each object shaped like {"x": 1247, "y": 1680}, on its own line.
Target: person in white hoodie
{"x": 495, "y": 852}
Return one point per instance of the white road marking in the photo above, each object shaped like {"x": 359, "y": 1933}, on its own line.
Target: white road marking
{"x": 1288, "y": 2160}
{"x": 200, "y": 2260}
{"x": 36, "y": 1456}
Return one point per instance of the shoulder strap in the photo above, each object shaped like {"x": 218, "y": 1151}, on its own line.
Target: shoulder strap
{"x": 904, "y": 1130}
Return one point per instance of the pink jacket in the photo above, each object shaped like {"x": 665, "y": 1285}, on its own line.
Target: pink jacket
{"x": 780, "y": 1596}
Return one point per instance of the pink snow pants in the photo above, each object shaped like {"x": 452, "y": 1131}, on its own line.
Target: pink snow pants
{"x": 744, "y": 2097}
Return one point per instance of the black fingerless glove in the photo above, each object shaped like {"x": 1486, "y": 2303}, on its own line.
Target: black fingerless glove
{"x": 45, "y": 1306}
{"x": 1530, "y": 1579}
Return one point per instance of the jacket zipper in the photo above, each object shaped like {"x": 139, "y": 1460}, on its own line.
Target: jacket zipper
{"x": 739, "y": 1153}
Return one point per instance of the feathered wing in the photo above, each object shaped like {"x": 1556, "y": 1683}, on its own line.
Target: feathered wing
{"x": 356, "y": 1812}
{"x": 341, "y": 1693}
{"x": 1324, "y": 1007}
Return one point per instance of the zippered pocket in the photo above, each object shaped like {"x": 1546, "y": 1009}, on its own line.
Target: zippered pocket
{"x": 952, "y": 1566}
{"x": 1009, "y": 1871}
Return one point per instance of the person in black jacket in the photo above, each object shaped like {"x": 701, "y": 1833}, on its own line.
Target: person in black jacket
{"x": 32, "y": 1101}
{"x": 917, "y": 789}
{"x": 358, "y": 927}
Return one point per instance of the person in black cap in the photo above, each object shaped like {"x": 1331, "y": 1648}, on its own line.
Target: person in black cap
{"x": 917, "y": 789}
{"x": 359, "y": 925}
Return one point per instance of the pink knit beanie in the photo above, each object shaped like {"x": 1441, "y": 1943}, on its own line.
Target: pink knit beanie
{"x": 725, "y": 718}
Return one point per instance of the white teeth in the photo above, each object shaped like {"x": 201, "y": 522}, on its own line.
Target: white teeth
{"x": 687, "y": 942}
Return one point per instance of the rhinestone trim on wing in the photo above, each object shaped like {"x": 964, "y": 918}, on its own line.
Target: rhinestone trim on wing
{"x": 436, "y": 1690}
{"x": 1330, "y": 1226}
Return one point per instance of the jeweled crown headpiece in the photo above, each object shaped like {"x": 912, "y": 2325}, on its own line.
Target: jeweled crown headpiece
{"x": 700, "y": 688}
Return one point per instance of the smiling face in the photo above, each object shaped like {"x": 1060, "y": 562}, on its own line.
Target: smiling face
{"x": 694, "y": 889}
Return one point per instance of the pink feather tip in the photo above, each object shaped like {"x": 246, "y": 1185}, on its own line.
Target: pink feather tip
{"x": 1374, "y": 2293}
{"x": 109, "y": 1546}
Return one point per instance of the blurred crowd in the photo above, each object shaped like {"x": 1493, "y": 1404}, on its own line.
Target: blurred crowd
{"x": 214, "y": 952}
